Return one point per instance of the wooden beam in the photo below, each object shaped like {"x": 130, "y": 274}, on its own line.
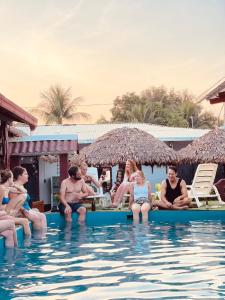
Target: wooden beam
{"x": 215, "y": 100}
{"x": 4, "y": 139}
{"x": 222, "y": 96}
{"x": 16, "y": 113}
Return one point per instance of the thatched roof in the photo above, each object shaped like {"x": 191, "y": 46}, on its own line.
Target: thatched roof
{"x": 75, "y": 159}
{"x": 208, "y": 148}
{"x": 124, "y": 143}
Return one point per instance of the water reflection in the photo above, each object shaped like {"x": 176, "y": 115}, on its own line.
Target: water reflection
{"x": 124, "y": 261}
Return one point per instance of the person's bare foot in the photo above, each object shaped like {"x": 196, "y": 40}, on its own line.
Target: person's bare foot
{"x": 180, "y": 207}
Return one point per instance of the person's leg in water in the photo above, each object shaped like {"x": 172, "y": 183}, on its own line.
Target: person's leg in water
{"x": 82, "y": 214}
{"x": 26, "y": 226}
{"x": 34, "y": 218}
{"x": 42, "y": 217}
{"x": 8, "y": 230}
{"x": 136, "y": 208}
{"x": 144, "y": 210}
{"x": 67, "y": 213}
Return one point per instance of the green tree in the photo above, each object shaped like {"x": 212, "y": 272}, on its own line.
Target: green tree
{"x": 102, "y": 120}
{"x": 157, "y": 105}
{"x": 57, "y": 106}
{"x": 207, "y": 120}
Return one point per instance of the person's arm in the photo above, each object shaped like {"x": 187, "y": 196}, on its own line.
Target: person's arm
{"x": 149, "y": 192}
{"x": 62, "y": 197}
{"x": 132, "y": 177}
{"x": 19, "y": 189}
{"x": 131, "y": 198}
{"x": 2, "y": 192}
{"x": 184, "y": 192}
{"x": 163, "y": 194}
{"x": 96, "y": 183}
{"x": 84, "y": 189}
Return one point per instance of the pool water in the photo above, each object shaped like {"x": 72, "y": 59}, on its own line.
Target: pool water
{"x": 120, "y": 261}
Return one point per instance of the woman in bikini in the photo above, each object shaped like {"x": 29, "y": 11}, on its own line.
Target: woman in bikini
{"x": 11, "y": 208}
{"x": 20, "y": 178}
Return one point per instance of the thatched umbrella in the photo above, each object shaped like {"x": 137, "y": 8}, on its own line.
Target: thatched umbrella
{"x": 208, "y": 148}
{"x": 124, "y": 143}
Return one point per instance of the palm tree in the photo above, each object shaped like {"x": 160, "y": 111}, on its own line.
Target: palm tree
{"x": 57, "y": 106}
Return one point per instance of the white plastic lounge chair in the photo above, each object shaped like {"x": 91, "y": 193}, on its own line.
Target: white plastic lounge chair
{"x": 202, "y": 185}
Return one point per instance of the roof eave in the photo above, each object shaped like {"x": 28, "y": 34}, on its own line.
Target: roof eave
{"x": 16, "y": 113}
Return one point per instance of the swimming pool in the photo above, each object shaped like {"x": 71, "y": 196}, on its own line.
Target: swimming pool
{"x": 119, "y": 260}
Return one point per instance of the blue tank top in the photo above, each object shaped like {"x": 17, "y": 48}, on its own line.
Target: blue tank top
{"x": 5, "y": 200}
{"x": 26, "y": 203}
{"x": 140, "y": 191}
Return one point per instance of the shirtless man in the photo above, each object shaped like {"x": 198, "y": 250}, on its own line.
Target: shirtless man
{"x": 72, "y": 191}
{"x": 174, "y": 193}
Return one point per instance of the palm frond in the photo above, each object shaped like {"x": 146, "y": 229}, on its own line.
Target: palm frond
{"x": 56, "y": 106}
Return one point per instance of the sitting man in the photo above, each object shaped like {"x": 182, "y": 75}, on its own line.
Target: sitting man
{"x": 72, "y": 191}
{"x": 174, "y": 193}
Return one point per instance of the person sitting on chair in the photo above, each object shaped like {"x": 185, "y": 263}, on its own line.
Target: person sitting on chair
{"x": 174, "y": 193}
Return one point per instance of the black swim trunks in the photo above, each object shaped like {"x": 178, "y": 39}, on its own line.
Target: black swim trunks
{"x": 74, "y": 207}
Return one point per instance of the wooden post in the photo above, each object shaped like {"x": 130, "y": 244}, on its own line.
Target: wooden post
{"x": 63, "y": 163}
{"x": 4, "y": 138}
{"x": 223, "y": 113}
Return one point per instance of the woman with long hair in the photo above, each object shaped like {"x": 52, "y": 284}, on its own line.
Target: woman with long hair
{"x": 20, "y": 178}
{"x": 140, "y": 199}
{"x": 11, "y": 207}
{"x": 129, "y": 175}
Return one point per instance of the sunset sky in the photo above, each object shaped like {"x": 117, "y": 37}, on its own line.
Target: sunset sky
{"x": 105, "y": 48}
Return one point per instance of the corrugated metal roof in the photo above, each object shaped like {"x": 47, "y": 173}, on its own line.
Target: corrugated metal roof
{"x": 88, "y": 133}
{"x": 50, "y": 137}
{"x": 42, "y": 147}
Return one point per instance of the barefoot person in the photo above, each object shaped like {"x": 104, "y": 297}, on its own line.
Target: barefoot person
{"x": 129, "y": 175}
{"x": 140, "y": 199}
{"x": 72, "y": 191}
{"x": 12, "y": 207}
{"x": 174, "y": 193}
{"x": 37, "y": 218}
